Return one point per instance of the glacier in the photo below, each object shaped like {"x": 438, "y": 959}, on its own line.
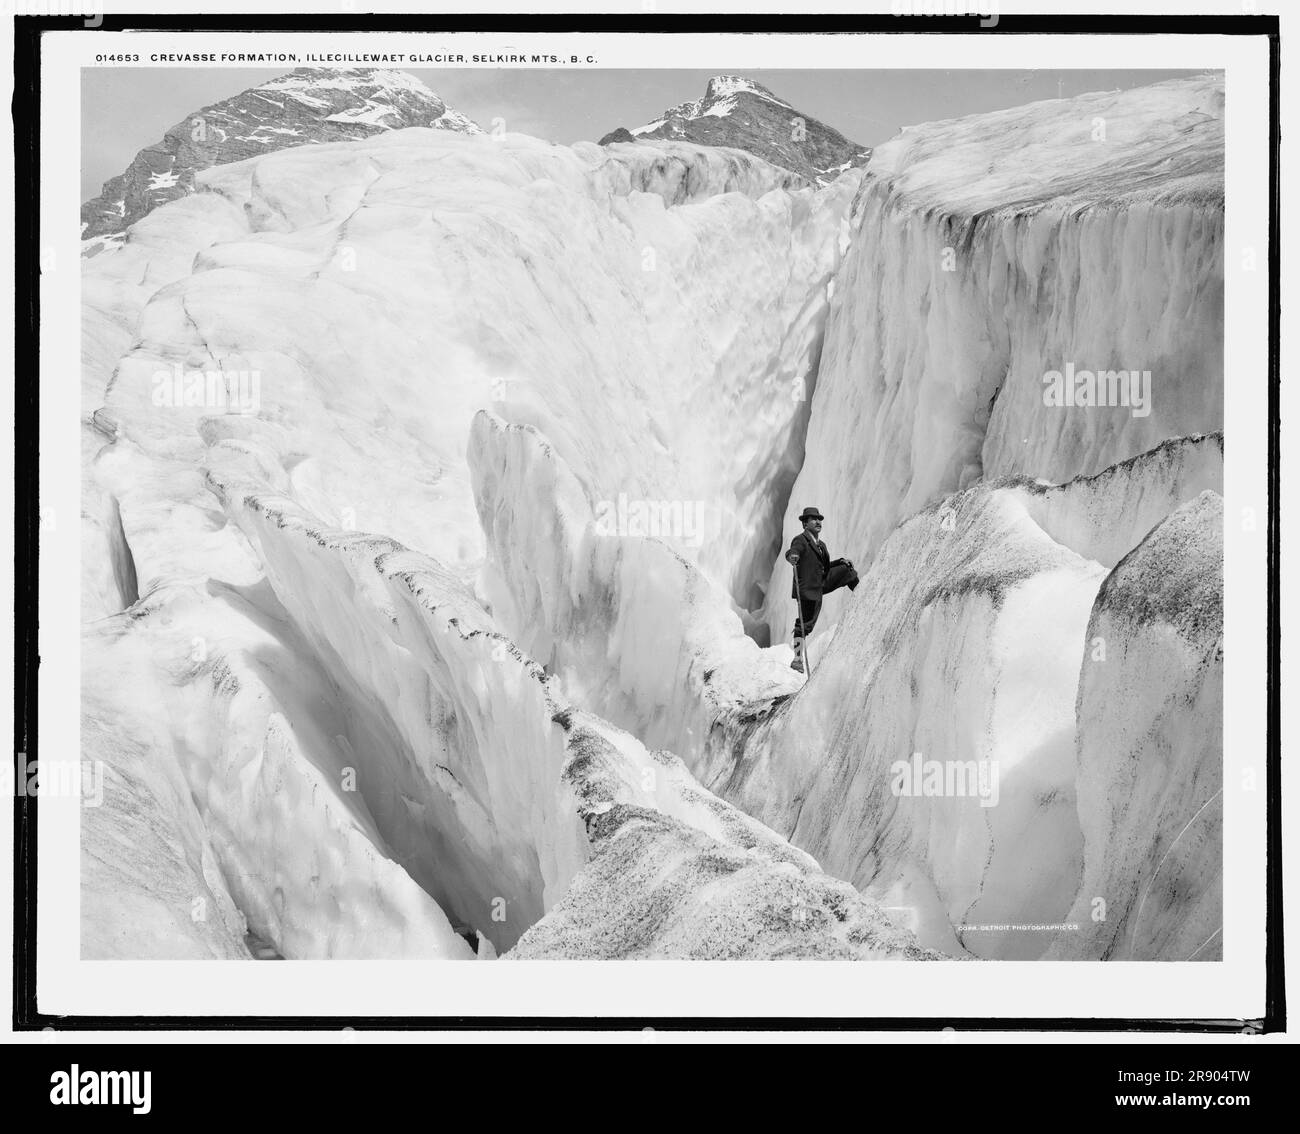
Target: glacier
{"x": 464, "y": 636}
{"x": 1095, "y": 238}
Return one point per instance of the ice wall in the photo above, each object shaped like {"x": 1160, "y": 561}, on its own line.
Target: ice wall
{"x": 218, "y": 717}
{"x": 150, "y": 885}
{"x": 1150, "y": 750}
{"x": 634, "y": 631}
{"x": 990, "y": 250}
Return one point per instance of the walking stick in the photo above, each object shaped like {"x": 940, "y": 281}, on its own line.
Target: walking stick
{"x": 803, "y": 633}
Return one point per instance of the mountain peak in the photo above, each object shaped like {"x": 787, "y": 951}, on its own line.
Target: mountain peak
{"x": 306, "y": 106}
{"x": 720, "y": 86}
{"x": 740, "y": 113}
{"x": 345, "y": 78}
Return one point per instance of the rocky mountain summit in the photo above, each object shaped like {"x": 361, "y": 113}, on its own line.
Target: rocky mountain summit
{"x": 309, "y": 105}
{"x": 745, "y": 115}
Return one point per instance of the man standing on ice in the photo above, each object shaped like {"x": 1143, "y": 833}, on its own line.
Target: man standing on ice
{"x": 815, "y": 574}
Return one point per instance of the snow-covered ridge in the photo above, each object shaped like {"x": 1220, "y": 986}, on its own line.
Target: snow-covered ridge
{"x": 1103, "y": 517}
{"x": 1162, "y": 144}
{"x": 659, "y": 888}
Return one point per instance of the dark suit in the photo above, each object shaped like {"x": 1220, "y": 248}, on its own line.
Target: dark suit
{"x": 816, "y": 574}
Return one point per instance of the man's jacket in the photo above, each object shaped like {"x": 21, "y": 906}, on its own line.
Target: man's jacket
{"x": 814, "y": 562}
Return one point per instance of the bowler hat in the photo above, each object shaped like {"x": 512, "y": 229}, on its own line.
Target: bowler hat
{"x": 810, "y": 514}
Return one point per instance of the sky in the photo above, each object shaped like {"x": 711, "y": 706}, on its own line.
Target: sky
{"x": 122, "y": 111}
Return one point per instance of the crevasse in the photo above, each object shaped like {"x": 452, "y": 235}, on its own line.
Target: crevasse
{"x": 396, "y": 611}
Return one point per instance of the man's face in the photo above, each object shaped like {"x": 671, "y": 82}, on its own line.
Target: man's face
{"x": 814, "y": 526}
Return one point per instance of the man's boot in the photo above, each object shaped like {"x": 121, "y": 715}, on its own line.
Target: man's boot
{"x": 797, "y": 664}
